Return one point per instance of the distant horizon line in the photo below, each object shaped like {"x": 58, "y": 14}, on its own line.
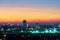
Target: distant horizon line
{"x": 32, "y": 22}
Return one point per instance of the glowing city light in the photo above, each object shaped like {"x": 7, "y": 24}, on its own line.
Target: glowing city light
{"x": 46, "y": 31}
{"x": 39, "y": 31}
{"x": 2, "y": 29}
{"x": 8, "y": 30}
{"x": 30, "y": 31}
{"x": 22, "y": 31}
{"x": 35, "y": 31}
{"x": 55, "y": 30}
{"x": 51, "y": 31}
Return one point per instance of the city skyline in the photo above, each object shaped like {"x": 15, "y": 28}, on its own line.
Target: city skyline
{"x": 31, "y": 10}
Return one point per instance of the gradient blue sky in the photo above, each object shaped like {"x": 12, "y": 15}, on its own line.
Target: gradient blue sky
{"x": 51, "y": 2}
{"x": 44, "y": 10}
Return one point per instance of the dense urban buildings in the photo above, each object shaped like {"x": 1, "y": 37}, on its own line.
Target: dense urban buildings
{"x": 15, "y": 31}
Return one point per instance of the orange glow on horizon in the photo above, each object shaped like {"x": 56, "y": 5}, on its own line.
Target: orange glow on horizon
{"x": 32, "y": 13}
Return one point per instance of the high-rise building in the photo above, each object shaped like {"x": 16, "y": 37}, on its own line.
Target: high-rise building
{"x": 25, "y": 24}
{"x": 37, "y": 26}
{"x": 59, "y": 25}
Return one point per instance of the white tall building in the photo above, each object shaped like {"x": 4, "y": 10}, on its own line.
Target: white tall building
{"x": 59, "y": 25}
{"x": 37, "y": 26}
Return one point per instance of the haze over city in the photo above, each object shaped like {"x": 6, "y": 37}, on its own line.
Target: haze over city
{"x": 30, "y": 10}
{"x": 29, "y": 19}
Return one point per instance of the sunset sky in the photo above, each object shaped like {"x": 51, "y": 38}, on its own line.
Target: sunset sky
{"x": 31, "y": 10}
